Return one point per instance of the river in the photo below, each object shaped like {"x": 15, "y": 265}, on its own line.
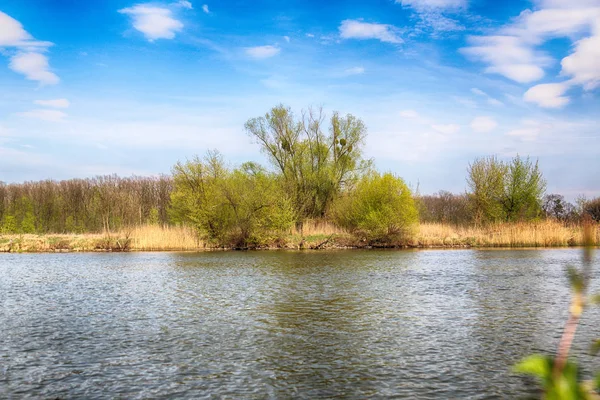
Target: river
{"x": 426, "y": 324}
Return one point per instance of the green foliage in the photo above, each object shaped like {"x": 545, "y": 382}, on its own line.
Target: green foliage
{"x": 505, "y": 191}
{"x": 72, "y": 226}
{"x": 197, "y": 196}
{"x": 559, "y": 377}
{"x": 9, "y": 224}
{"x": 28, "y": 223}
{"x": 486, "y": 181}
{"x": 524, "y": 188}
{"x": 259, "y": 205}
{"x": 565, "y": 386}
{"x": 154, "y": 217}
{"x": 381, "y": 207}
{"x": 84, "y": 205}
{"x": 239, "y": 208}
{"x": 314, "y": 166}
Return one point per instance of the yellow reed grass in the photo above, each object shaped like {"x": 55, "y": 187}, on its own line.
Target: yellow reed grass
{"x": 49, "y": 242}
{"x": 319, "y": 227}
{"x": 142, "y": 238}
{"x": 163, "y": 238}
{"x": 529, "y": 234}
{"x": 181, "y": 238}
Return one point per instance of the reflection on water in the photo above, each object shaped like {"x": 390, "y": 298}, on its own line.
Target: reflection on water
{"x": 344, "y": 324}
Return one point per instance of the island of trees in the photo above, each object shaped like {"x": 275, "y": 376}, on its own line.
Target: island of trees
{"x": 318, "y": 185}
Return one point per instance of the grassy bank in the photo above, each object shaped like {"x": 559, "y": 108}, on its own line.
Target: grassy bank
{"x": 315, "y": 235}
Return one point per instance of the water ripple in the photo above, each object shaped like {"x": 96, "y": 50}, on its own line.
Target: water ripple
{"x": 344, "y": 324}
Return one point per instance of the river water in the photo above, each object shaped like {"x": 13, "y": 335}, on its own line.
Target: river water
{"x": 423, "y": 324}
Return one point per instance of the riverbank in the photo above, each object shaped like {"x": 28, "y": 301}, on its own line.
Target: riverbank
{"x": 317, "y": 235}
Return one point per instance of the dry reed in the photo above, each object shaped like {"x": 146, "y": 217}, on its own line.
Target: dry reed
{"x": 180, "y": 238}
{"x": 163, "y": 238}
{"x": 318, "y": 228}
{"x": 527, "y": 234}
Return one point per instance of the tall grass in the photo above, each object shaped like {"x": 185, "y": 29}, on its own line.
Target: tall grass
{"x": 163, "y": 238}
{"x": 526, "y": 234}
{"x": 317, "y": 227}
{"x": 142, "y": 238}
{"x": 181, "y": 238}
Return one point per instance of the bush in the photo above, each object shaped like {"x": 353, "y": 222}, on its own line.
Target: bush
{"x": 234, "y": 208}
{"x": 9, "y": 224}
{"x": 380, "y": 208}
{"x": 592, "y": 207}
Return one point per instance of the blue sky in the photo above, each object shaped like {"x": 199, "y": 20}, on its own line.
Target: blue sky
{"x": 116, "y": 86}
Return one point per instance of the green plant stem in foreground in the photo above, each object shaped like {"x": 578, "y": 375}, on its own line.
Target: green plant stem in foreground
{"x": 559, "y": 376}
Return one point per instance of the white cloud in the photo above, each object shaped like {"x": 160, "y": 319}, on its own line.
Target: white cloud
{"x": 425, "y": 4}
{"x": 286, "y": 38}
{"x": 534, "y": 27}
{"x": 278, "y": 82}
{"x": 441, "y": 23}
{"x": 409, "y": 114}
{"x": 55, "y": 103}
{"x": 28, "y": 60}
{"x": 262, "y": 52}
{"x": 494, "y": 102}
{"x": 483, "y": 124}
{"x": 521, "y": 73}
{"x": 490, "y": 99}
{"x": 530, "y": 129}
{"x": 527, "y": 134}
{"x": 185, "y": 4}
{"x": 548, "y": 95}
{"x": 352, "y": 29}
{"x": 205, "y": 8}
{"x": 154, "y": 22}
{"x": 511, "y": 51}
{"x": 568, "y": 4}
{"x": 310, "y": 35}
{"x": 12, "y": 32}
{"x": 34, "y": 66}
{"x": 507, "y": 56}
{"x": 446, "y": 129}
{"x": 354, "y": 71}
{"x": 45, "y": 115}
{"x": 465, "y": 102}
{"x": 584, "y": 64}
{"x": 430, "y": 12}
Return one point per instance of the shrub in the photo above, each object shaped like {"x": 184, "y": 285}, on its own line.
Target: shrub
{"x": 592, "y": 208}
{"x": 380, "y": 208}
{"x": 238, "y": 208}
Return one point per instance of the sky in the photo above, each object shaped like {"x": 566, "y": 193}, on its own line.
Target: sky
{"x": 117, "y": 86}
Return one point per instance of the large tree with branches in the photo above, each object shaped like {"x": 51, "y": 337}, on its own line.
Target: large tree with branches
{"x": 315, "y": 161}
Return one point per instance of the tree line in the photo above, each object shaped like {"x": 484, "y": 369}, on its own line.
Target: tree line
{"x": 97, "y": 204}
{"x": 459, "y": 209}
{"x": 317, "y": 170}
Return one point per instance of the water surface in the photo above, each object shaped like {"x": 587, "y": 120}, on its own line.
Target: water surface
{"x": 254, "y": 325}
